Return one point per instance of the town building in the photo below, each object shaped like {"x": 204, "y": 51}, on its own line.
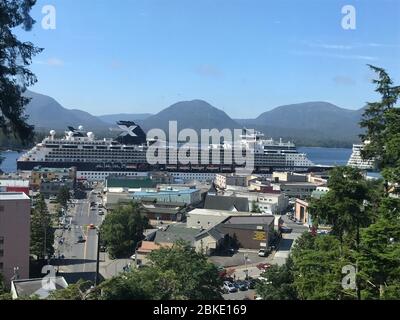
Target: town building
{"x": 14, "y": 185}
{"x": 145, "y": 248}
{"x": 301, "y": 211}
{"x": 300, "y": 190}
{"x": 42, "y": 174}
{"x": 253, "y": 232}
{"x": 184, "y": 196}
{"x": 164, "y": 211}
{"x": 288, "y": 177}
{"x": 207, "y": 218}
{"x": 226, "y": 203}
{"x": 15, "y": 214}
{"x": 270, "y": 202}
{"x": 41, "y": 287}
{"x": 129, "y": 182}
{"x": 222, "y": 180}
{"x": 52, "y": 188}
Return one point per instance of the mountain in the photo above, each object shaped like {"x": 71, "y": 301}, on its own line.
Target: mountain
{"x": 195, "y": 114}
{"x": 310, "y": 123}
{"x": 46, "y": 113}
{"x": 113, "y": 118}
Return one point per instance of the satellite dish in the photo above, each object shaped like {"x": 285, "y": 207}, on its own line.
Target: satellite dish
{"x": 52, "y": 133}
{"x": 90, "y": 135}
{"x": 80, "y": 128}
{"x": 70, "y": 134}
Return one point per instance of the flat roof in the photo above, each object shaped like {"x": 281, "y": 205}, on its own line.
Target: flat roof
{"x": 214, "y": 212}
{"x": 29, "y": 287}
{"x": 164, "y": 192}
{"x": 14, "y": 182}
{"x": 13, "y": 196}
{"x": 253, "y": 220}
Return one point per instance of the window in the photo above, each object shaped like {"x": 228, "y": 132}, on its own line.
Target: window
{"x": 1, "y": 266}
{"x": 1, "y": 253}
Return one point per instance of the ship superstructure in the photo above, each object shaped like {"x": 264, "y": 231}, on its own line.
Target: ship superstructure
{"x": 127, "y": 154}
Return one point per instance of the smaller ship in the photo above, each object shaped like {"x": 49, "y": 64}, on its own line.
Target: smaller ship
{"x": 356, "y": 160}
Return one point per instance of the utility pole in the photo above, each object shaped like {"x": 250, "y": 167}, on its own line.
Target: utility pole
{"x": 96, "y": 279}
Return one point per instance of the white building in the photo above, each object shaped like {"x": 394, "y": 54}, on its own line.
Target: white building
{"x": 273, "y": 202}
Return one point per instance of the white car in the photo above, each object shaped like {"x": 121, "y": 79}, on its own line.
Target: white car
{"x": 230, "y": 287}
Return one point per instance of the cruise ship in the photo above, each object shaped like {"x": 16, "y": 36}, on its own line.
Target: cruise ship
{"x": 356, "y": 160}
{"x": 96, "y": 158}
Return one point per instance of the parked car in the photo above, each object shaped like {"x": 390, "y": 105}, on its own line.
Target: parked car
{"x": 286, "y": 229}
{"x": 81, "y": 239}
{"x": 263, "y": 266}
{"x": 230, "y": 287}
{"x": 251, "y": 283}
{"x": 241, "y": 285}
{"x": 92, "y": 226}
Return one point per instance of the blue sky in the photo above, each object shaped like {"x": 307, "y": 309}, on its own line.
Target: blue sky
{"x": 242, "y": 56}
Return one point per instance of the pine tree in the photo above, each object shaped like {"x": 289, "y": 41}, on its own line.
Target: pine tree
{"x": 15, "y": 77}
{"x": 381, "y": 120}
{"x": 42, "y": 232}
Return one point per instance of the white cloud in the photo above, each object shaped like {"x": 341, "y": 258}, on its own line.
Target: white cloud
{"x": 52, "y": 62}
{"x": 332, "y": 46}
{"x": 335, "y": 55}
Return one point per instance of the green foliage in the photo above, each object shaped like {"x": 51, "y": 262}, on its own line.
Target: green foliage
{"x": 42, "y": 233}
{"x": 2, "y": 287}
{"x": 343, "y": 205}
{"x": 317, "y": 267}
{"x": 177, "y": 273}
{"x": 76, "y": 291}
{"x": 122, "y": 229}
{"x": 15, "y": 57}
{"x": 255, "y": 207}
{"x": 63, "y": 196}
{"x": 382, "y": 123}
{"x": 379, "y": 255}
{"x": 279, "y": 284}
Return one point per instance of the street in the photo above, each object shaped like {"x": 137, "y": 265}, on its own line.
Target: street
{"x": 79, "y": 257}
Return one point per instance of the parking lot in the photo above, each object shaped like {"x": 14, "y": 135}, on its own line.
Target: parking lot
{"x": 238, "y": 259}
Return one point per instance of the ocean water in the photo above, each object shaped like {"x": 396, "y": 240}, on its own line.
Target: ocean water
{"x": 9, "y": 163}
{"x": 324, "y": 156}
{"x": 327, "y": 156}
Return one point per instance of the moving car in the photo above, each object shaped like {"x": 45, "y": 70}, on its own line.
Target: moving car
{"x": 230, "y": 287}
{"x": 81, "y": 239}
{"x": 92, "y": 226}
{"x": 264, "y": 252}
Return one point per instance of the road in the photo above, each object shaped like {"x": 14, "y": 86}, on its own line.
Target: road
{"x": 79, "y": 258}
{"x": 287, "y": 241}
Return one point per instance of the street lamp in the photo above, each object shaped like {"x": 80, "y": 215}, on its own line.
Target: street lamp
{"x": 245, "y": 266}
